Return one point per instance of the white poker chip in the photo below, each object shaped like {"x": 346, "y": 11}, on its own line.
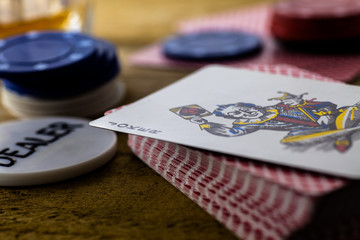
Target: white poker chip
{"x": 49, "y": 149}
{"x": 87, "y": 105}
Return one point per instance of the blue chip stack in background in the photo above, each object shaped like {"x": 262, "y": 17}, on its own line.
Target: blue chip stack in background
{"x": 59, "y": 73}
{"x": 212, "y": 46}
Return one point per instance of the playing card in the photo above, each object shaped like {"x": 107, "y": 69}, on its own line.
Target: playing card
{"x": 278, "y": 119}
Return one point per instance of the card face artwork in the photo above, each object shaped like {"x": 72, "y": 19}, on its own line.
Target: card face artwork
{"x": 278, "y": 119}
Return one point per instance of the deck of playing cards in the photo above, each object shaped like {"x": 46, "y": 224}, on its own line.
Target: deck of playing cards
{"x": 257, "y": 200}
{"x": 270, "y": 156}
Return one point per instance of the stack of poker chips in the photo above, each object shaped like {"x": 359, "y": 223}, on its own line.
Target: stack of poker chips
{"x": 59, "y": 73}
{"x": 212, "y": 46}
{"x": 321, "y": 23}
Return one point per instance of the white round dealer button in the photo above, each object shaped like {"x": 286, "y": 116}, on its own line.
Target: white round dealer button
{"x": 43, "y": 150}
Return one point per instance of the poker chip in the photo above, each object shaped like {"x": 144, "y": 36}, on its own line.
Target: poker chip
{"x": 57, "y": 89}
{"x": 33, "y": 52}
{"x": 56, "y": 69}
{"x": 213, "y": 45}
{"x": 49, "y": 149}
{"x": 330, "y": 23}
{"x": 90, "y": 104}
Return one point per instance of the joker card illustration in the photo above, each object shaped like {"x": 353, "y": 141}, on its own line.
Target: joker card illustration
{"x": 307, "y": 122}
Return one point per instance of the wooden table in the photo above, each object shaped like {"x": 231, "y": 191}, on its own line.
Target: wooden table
{"x": 124, "y": 199}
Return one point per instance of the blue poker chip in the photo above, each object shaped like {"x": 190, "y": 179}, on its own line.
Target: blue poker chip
{"x": 57, "y": 90}
{"x": 73, "y": 64}
{"x": 107, "y": 59}
{"x": 214, "y": 45}
{"x": 39, "y": 52}
{"x": 76, "y": 83}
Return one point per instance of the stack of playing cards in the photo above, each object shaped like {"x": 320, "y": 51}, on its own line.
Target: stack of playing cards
{"x": 59, "y": 73}
{"x": 257, "y": 200}
{"x": 270, "y": 156}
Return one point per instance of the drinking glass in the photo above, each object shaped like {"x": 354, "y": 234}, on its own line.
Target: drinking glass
{"x": 19, "y": 16}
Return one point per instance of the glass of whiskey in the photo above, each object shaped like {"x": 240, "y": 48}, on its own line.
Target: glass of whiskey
{"x": 20, "y": 16}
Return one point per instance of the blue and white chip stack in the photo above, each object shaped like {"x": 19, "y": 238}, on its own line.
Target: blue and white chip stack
{"x": 59, "y": 73}
{"x": 212, "y": 46}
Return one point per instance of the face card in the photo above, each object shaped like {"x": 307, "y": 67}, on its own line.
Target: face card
{"x": 278, "y": 119}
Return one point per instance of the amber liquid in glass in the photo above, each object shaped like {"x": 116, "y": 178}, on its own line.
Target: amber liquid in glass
{"x": 55, "y": 22}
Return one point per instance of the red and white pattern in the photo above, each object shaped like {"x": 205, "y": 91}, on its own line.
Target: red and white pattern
{"x": 253, "y": 200}
{"x": 341, "y": 67}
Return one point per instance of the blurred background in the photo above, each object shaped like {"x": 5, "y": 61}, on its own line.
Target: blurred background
{"x": 127, "y": 22}
{"x": 144, "y": 21}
